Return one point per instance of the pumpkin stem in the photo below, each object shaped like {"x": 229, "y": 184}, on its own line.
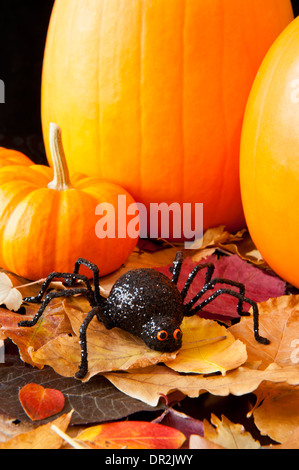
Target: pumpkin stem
{"x": 61, "y": 180}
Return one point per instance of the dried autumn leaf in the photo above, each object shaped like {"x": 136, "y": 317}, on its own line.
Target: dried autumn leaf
{"x": 132, "y": 435}
{"x": 107, "y": 349}
{"x": 291, "y": 443}
{"x": 149, "y": 384}
{"x": 246, "y": 250}
{"x": 276, "y": 412}
{"x": 279, "y": 322}
{"x": 199, "y": 442}
{"x": 229, "y": 435}
{"x": 239, "y": 244}
{"x": 9, "y": 295}
{"x": 180, "y": 421}
{"x": 53, "y": 323}
{"x": 40, "y": 438}
{"x": 115, "y": 349}
{"x": 39, "y": 402}
{"x": 212, "y": 238}
{"x": 207, "y": 348}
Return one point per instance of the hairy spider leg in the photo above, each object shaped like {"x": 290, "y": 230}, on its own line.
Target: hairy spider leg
{"x": 96, "y": 277}
{"x": 210, "y": 285}
{"x": 239, "y": 296}
{"x": 96, "y": 311}
{"x": 210, "y": 270}
{"x": 176, "y": 267}
{"x": 59, "y": 275}
{"x": 54, "y": 295}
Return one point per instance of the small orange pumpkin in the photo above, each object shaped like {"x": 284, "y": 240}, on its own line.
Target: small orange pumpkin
{"x": 46, "y": 223}
{"x": 13, "y": 157}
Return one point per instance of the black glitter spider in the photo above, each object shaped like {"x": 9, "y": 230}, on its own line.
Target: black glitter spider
{"x": 143, "y": 302}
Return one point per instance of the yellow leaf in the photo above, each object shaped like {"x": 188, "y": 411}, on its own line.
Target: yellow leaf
{"x": 207, "y": 348}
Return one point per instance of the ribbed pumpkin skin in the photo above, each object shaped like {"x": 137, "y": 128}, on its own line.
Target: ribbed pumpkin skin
{"x": 44, "y": 230}
{"x": 269, "y": 165}
{"x": 153, "y": 93}
{"x": 13, "y": 157}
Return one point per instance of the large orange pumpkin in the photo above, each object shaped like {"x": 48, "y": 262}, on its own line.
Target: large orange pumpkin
{"x": 151, "y": 94}
{"x": 270, "y": 157}
{"x": 47, "y": 221}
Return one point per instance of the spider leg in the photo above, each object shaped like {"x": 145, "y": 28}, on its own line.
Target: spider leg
{"x": 83, "y": 367}
{"x": 240, "y": 297}
{"x": 96, "y": 278}
{"x": 54, "y": 295}
{"x": 211, "y": 284}
{"x": 58, "y": 275}
{"x": 176, "y": 267}
{"x": 98, "y": 312}
{"x": 210, "y": 269}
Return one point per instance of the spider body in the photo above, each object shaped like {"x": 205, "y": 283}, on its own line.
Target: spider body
{"x": 143, "y": 302}
{"x": 148, "y": 304}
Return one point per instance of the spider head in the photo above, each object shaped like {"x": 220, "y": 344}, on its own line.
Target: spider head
{"x": 162, "y": 335}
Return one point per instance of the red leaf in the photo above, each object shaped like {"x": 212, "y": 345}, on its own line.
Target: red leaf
{"x": 39, "y": 402}
{"x": 259, "y": 285}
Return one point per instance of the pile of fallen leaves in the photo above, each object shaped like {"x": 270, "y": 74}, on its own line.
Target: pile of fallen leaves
{"x": 43, "y": 406}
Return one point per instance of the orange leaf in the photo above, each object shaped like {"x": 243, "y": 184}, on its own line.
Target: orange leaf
{"x": 39, "y": 402}
{"x": 132, "y": 435}
{"x": 52, "y": 324}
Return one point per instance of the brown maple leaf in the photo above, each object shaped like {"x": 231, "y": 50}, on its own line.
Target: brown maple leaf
{"x": 279, "y": 322}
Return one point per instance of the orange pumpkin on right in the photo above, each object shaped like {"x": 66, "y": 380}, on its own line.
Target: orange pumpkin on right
{"x": 269, "y": 165}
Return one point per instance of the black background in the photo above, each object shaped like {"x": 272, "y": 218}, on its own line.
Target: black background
{"x": 23, "y": 29}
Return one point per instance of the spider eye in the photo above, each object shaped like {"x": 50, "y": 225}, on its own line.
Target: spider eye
{"x": 162, "y": 335}
{"x": 177, "y": 334}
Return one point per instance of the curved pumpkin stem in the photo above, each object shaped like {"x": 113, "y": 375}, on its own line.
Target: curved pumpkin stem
{"x": 61, "y": 180}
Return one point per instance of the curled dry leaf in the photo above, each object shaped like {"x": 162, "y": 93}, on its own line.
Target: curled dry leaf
{"x": 239, "y": 244}
{"x": 291, "y": 443}
{"x": 279, "y": 322}
{"x": 150, "y": 383}
{"x": 228, "y": 435}
{"x": 212, "y": 239}
{"x": 276, "y": 412}
{"x": 180, "y": 421}
{"x": 9, "y": 295}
